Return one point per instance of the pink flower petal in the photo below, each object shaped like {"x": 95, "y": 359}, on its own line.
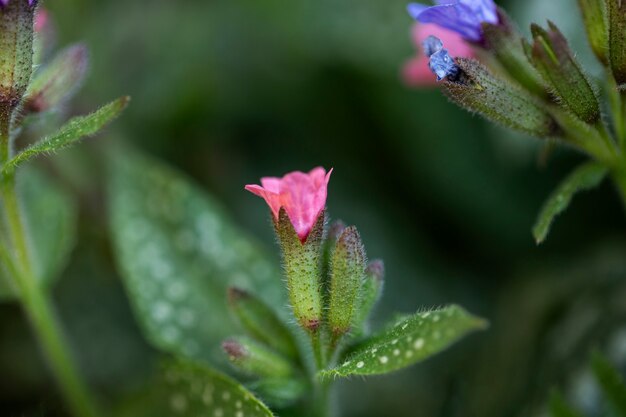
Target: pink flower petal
{"x": 302, "y": 195}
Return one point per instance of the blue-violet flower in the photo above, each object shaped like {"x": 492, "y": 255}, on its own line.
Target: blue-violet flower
{"x": 464, "y": 17}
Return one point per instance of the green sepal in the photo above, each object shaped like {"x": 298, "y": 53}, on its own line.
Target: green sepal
{"x": 505, "y": 42}
{"x": 555, "y": 61}
{"x": 585, "y": 177}
{"x": 256, "y": 359}
{"x": 559, "y": 408}
{"x": 346, "y": 276}
{"x": 16, "y": 52}
{"x": 411, "y": 340}
{"x": 477, "y": 90}
{"x": 616, "y": 12}
{"x": 262, "y": 322}
{"x": 611, "y": 382}
{"x": 302, "y": 265}
{"x": 370, "y": 293}
{"x": 70, "y": 133}
{"x": 595, "y": 18}
{"x": 57, "y": 81}
{"x": 190, "y": 389}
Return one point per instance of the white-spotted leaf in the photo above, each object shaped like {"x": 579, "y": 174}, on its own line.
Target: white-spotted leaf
{"x": 188, "y": 389}
{"x": 73, "y": 131}
{"x": 178, "y": 252}
{"x": 50, "y": 215}
{"x": 585, "y": 177}
{"x": 411, "y": 340}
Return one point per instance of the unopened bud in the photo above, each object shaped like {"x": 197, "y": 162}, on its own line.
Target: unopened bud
{"x": 616, "y": 12}
{"x": 58, "y": 81}
{"x": 16, "y": 50}
{"x": 595, "y": 17}
{"x": 555, "y": 62}
{"x": 256, "y": 359}
{"x": 346, "y": 277}
{"x": 477, "y": 90}
{"x": 505, "y": 42}
{"x": 302, "y": 264}
{"x": 371, "y": 290}
{"x": 261, "y": 322}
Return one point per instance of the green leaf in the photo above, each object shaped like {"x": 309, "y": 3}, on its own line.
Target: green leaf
{"x": 411, "y": 340}
{"x": 559, "y": 408}
{"x": 50, "y": 216}
{"x": 611, "y": 382}
{"x": 585, "y": 177}
{"x": 187, "y": 389}
{"x": 178, "y": 252}
{"x": 74, "y": 130}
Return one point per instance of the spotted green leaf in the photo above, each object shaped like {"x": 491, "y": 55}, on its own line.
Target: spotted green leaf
{"x": 188, "y": 389}
{"x": 178, "y": 252}
{"x": 585, "y": 177}
{"x": 74, "y": 130}
{"x": 411, "y": 340}
{"x": 50, "y": 216}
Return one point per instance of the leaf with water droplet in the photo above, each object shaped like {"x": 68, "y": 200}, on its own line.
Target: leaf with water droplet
{"x": 50, "y": 216}
{"x": 178, "y": 251}
{"x": 585, "y": 177}
{"x": 410, "y": 340}
{"x": 189, "y": 389}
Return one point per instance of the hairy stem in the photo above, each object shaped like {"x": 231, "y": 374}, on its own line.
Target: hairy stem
{"x": 33, "y": 298}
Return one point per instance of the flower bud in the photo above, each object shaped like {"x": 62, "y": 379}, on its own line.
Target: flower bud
{"x": 346, "y": 277}
{"x": 371, "y": 290}
{"x": 302, "y": 264}
{"x": 504, "y": 40}
{"x": 555, "y": 62}
{"x": 595, "y": 18}
{"x": 616, "y": 12}
{"x": 256, "y": 359}
{"x": 45, "y": 36}
{"x": 261, "y": 322}
{"x": 477, "y": 90}
{"x": 16, "y": 51}
{"x": 58, "y": 81}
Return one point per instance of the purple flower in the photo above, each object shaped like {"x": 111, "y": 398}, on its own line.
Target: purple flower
{"x": 464, "y": 17}
{"x": 4, "y": 3}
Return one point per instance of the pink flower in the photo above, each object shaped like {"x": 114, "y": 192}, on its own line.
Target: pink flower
{"x": 303, "y": 196}
{"x": 416, "y": 72}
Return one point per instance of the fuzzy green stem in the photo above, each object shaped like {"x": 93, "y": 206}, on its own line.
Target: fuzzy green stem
{"x": 321, "y": 399}
{"x": 318, "y": 354}
{"x": 34, "y": 300}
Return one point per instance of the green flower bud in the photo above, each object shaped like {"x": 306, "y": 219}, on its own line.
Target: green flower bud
{"x": 616, "y": 12}
{"x": 346, "y": 277}
{"x": 16, "y": 52}
{"x": 595, "y": 18}
{"x": 261, "y": 322}
{"x": 302, "y": 264}
{"x": 256, "y": 359}
{"x": 371, "y": 290}
{"x": 58, "y": 81}
{"x": 554, "y": 60}
{"x": 477, "y": 90}
{"x": 504, "y": 40}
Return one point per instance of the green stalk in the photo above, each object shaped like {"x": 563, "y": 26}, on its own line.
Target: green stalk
{"x": 34, "y": 300}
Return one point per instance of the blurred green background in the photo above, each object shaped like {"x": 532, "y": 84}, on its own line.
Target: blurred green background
{"x": 228, "y": 91}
